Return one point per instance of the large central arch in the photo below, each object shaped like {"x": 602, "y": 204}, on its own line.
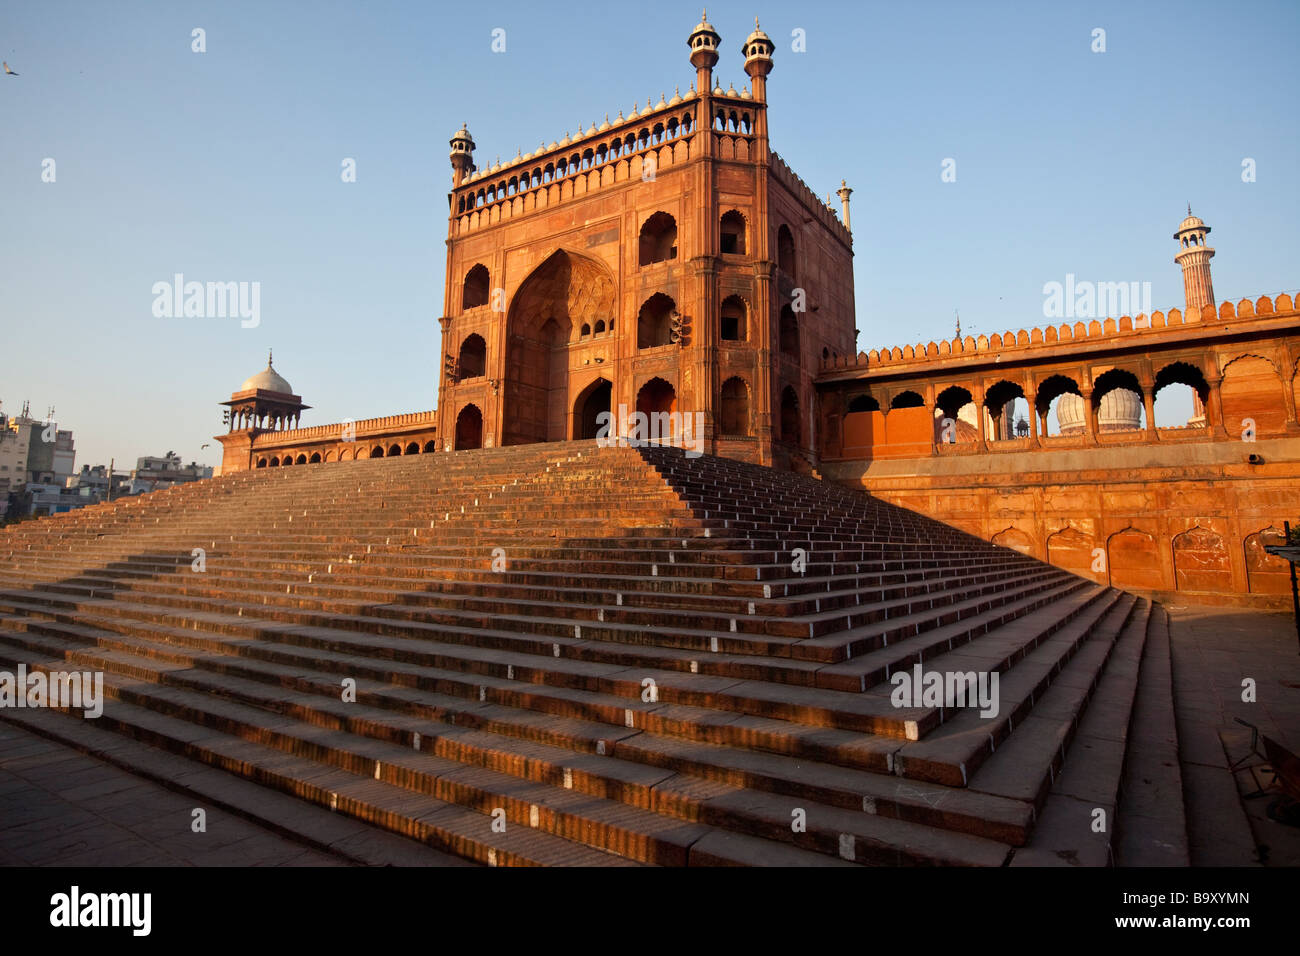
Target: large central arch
{"x": 559, "y": 296}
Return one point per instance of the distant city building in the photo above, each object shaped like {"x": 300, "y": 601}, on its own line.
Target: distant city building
{"x": 151, "y": 474}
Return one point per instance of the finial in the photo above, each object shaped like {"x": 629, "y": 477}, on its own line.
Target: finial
{"x": 958, "y": 323}
{"x": 1189, "y": 209}
{"x": 755, "y": 23}
{"x": 268, "y": 358}
{"x": 844, "y": 182}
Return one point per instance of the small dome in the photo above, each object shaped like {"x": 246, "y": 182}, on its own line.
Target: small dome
{"x": 704, "y": 26}
{"x": 677, "y": 96}
{"x": 1190, "y": 223}
{"x": 758, "y": 35}
{"x": 269, "y": 380}
{"x": 605, "y": 125}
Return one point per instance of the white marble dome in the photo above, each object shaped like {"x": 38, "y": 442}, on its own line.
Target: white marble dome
{"x": 269, "y": 380}
{"x": 1120, "y": 410}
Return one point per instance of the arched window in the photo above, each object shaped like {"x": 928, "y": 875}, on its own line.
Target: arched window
{"x": 654, "y": 325}
{"x": 472, "y": 361}
{"x": 733, "y": 325}
{"x": 785, "y": 251}
{"x": 789, "y": 332}
{"x": 733, "y": 233}
{"x": 658, "y": 239}
{"x": 412, "y": 448}
{"x": 477, "y": 287}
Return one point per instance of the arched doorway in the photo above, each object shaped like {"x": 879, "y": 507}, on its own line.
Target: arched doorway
{"x": 595, "y": 398}
{"x": 790, "y": 430}
{"x": 560, "y": 296}
{"x": 657, "y": 400}
{"x": 469, "y": 428}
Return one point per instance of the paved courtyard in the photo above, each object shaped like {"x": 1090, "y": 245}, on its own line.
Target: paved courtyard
{"x": 1214, "y": 650}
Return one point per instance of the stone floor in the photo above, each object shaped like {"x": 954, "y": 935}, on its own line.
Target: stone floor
{"x": 1214, "y": 650}
{"x": 59, "y": 807}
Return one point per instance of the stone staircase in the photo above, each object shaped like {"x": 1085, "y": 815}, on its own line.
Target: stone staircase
{"x": 571, "y": 655}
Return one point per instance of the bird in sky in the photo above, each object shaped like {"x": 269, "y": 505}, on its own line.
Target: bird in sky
{"x": 204, "y": 445}
{"x": 9, "y": 71}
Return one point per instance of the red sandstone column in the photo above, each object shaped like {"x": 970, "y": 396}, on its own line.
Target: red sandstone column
{"x": 1089, "y": 416}
{"x": 929, "y": 404}
{"x": 1220, "y": 431}
{"x": 761, "y": 410}
{"x": 1149, "y": 407}
{"x": 1032, "y": 399}
{"x": 979, "y": 416}
{"x": 1284, "y": 361}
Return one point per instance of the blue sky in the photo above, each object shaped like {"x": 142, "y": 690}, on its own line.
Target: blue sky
{"x": 225, "y": 166}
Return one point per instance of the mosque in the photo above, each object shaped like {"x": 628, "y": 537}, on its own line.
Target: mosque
{"x": 668, "y": 260}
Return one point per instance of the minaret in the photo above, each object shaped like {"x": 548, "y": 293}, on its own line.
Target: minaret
{"x": 1194, "y": 256}
{"x": 462, "y": 155}
{"x": 758, "y": 60}
{"x": 844, "y": 192}
{"x": 703, "y": 42}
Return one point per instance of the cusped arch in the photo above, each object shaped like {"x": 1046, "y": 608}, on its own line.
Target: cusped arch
{"x": 1201, "y": 561}
{"x": 1014, "y": 538}
{"x": 1133, "y": 560}
{"x": 477, "y": 287}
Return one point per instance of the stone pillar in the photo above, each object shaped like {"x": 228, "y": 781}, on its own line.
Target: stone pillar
{"x": 703, "y": 354}
{"x": 761, "y": 410}
{"x": 1149, "y": 409}
{"x": 1285, "y": 362}
{"x": 978, "y": 395}
{"x": 928, "y": 396}
{"x": 1089, "y": 416}
{"x": 1032, "y": 398}
{"x": 1219, "y": 427}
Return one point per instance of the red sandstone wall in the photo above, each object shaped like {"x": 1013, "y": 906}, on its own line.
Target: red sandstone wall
{"x": 1195, "y": 530}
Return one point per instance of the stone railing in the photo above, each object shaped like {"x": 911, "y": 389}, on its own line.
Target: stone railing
{"x": 599, "y": 157}
{"x": 335, "y": 430}
{"x": 1110, "y": 329}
